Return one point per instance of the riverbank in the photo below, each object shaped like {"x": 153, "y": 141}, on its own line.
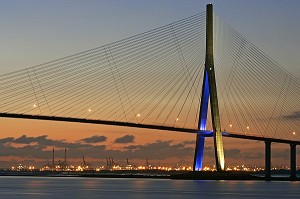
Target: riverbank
{"x": 156, "y": 174}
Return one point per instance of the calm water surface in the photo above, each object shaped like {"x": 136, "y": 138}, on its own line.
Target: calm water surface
{"x": 73, "y": 187}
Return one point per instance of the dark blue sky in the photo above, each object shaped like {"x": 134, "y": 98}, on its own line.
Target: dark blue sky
{"x": 36, "y": 31}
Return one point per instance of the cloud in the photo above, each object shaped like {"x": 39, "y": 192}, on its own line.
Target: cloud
{"x": 39, "y": 149}
{"x": 43, "y": 142}
{"x": 125, "y": 139}
{"x": 95, "y": 139}
{"x": 294, "y": 116}
{"x": 233, "y": 153}
{"x": 252, "y": 155}
{"x": 39, "y": 143}
{"x": 6, "y": 140}
{"x": 159, "y": 150}
{"x": 154, "y": 151}
{"x": 189, "y": 142}
{"x": 281, "y": 153}
{"x": 27, "y": 140}
{"x": 237, "y": 154}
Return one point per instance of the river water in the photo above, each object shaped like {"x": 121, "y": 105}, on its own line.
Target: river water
{"x": 79, "y": 187}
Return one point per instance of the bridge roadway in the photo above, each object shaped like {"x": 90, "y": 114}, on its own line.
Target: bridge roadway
{"x": 147, "y": 126}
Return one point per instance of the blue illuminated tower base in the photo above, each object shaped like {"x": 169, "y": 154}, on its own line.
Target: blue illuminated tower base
{"x": 199, "y": 149}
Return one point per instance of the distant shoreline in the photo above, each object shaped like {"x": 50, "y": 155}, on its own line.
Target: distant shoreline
{"x": 154, "y": 174}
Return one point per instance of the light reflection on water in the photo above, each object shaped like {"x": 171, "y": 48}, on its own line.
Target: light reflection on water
{"x": 75, "y": 187}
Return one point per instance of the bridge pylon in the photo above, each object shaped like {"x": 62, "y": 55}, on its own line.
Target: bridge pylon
{"x": 209, "y": 92}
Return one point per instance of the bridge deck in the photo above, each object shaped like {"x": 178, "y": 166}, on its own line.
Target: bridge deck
{"x": 147, "y": 126}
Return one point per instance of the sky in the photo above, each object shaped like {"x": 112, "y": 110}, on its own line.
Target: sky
{"x": 37, "y": 31}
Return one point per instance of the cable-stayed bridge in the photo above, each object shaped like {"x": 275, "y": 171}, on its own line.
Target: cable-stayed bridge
{"x": 156, "y": 80}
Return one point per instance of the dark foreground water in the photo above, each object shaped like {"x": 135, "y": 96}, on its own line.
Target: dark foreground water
{"x": 78, "y": 187}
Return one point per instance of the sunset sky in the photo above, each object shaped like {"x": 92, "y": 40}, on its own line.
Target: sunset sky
{"x": 37, "y": 31}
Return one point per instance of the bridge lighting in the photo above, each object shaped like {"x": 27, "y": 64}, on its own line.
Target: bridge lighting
{"x": 177, "y": 119}
{"x": 138, "y": 115}
{"x": 230, "y": 125}
{"x": 294, "y": 133}
{"x": 89, "y": 110}
{"x": 248, "y": 127}
{"x": 34, "y": 106}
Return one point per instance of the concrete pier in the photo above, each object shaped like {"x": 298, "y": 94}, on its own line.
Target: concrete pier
{"x": 268, "y": 160}
{"x": 293, "y": 161}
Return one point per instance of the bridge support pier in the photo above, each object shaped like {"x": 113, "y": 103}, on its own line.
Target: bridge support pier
{"x": 293, "y": 175}
{"x": 268, "y": 160}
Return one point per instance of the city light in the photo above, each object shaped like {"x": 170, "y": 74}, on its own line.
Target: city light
{"x": 117, "y": 167}
{"x": 21, "y": 167}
